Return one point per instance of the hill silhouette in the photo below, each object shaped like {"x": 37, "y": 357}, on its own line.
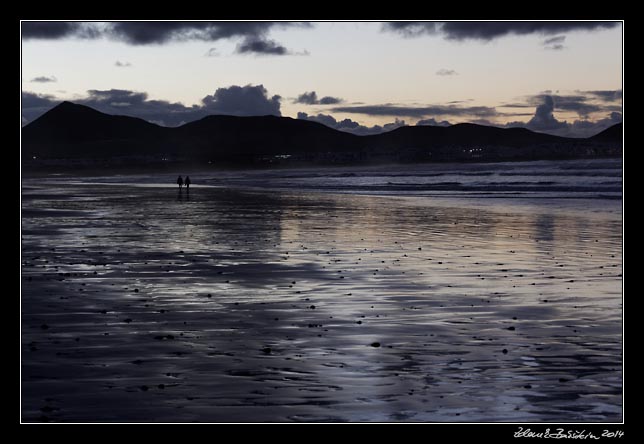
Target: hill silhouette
{"x": 614, "y": 133}
{"x": 72, "y": 131}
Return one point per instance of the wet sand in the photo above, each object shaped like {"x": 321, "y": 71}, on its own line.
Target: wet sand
{"x": 242, "y": 306}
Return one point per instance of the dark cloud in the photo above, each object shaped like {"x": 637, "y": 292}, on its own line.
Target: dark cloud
{"x": 446, "y": 72}
{"x": 545, "y": 121}
{"x": 555, "y": 43}
{"x": 328, "y": 100}
{"x": 490, "y": 30}
{"x": 311, "y": 98}
{"x": 432, "y": 122}
{"x": 516, "y": 105}
{"x": 554, "y": 40}
{"x": 241, "y": 101}
{"x": 606, "y": 95}
{"x": 579, "y": 128}
{"x": 47, "y": 30}
{"x": 261, "y": 46}
{"x": 412, "y": 29}
{"x": 111, "y": 96}
{"x": 58, "y": 30}
{"x": 583, "y": 103}
{"x": 544, "y": 118}
{"x": 137, "y": 104}
{"x": 351, "y": 126}
{"x": 586, "y": 128}
{"x": 212, "y": 52}
{"x": 146, "y": 33}
{"x": 393, "y": 125}
{"x": 120, "y": 64}
{"x": 307, "y": 98}
{"x": 418, "y": 111}
{"x": 583, "y": 109}
{"x": 155, "y": 33}
{"x": 33, "y": 105}
{"x": 44, "y": 79}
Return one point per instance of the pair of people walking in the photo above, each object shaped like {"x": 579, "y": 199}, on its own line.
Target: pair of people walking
{"x": 181, "y": 182}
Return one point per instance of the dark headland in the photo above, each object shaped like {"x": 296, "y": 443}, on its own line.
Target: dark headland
{"x": 77, "y": 135}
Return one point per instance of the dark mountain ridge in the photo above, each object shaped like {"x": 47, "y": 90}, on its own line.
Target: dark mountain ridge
{"x": 71, "y": 131}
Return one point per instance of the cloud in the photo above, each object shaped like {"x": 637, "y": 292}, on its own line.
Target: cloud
{"x": 120, "y": 64}
{"x": 490, "y": 30}
{"x": 255, "y": 100}
{"x": 418, "y": 111}
{"x": 412, "y": 29}
{"x": 606, "y": 95}
{"x": 311, "y": 98}
{"x": 58, "y": 30}
{"x": 446, "y": 72}
{"x": 235, "y": 100}
{"x": 146, "y": 33}
{"x": 33, "y": 105}
{"x": 393, "y": 125}
{"x": 351, "y": 126}
{"x": 584, "y": 103}
{"x": 243, "y": 101}
{"x": 212, "y": 52}
{"x": 544, "y": 118}
{"x": 261, "y": 47}
{"x": 554, "y": 43}
{"x": 307, "y": 98}
{"x": 156, "y": 33}
{"x": 545, "y": 121}
{"x": 47, "y": 30}
{"x": 328, "y": 100}
{"x": 432, "y": 122}
{"x": 44, "y": 79}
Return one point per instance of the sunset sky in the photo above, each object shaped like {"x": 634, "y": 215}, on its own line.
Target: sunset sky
{"x": 364, "y": 77}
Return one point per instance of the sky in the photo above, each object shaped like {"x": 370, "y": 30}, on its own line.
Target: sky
{"x": 562, "y": 78}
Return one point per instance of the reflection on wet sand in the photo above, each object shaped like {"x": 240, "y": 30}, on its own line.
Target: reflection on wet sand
{"x": 139, "y": 305}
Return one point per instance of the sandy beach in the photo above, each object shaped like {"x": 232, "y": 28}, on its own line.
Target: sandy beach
{"x": 140, "y": 304}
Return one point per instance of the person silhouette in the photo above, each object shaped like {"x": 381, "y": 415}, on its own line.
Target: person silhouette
{"x": 180, "y": 182}
{"x": 187, "y": 182}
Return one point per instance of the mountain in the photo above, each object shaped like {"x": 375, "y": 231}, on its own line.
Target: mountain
{"x": 239, "y": 137}
{"x": 77, "y": 132}
{"x": 614, "y": 133}
{"x": 80, "y": 131}
{"x": 73, "y": 123}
